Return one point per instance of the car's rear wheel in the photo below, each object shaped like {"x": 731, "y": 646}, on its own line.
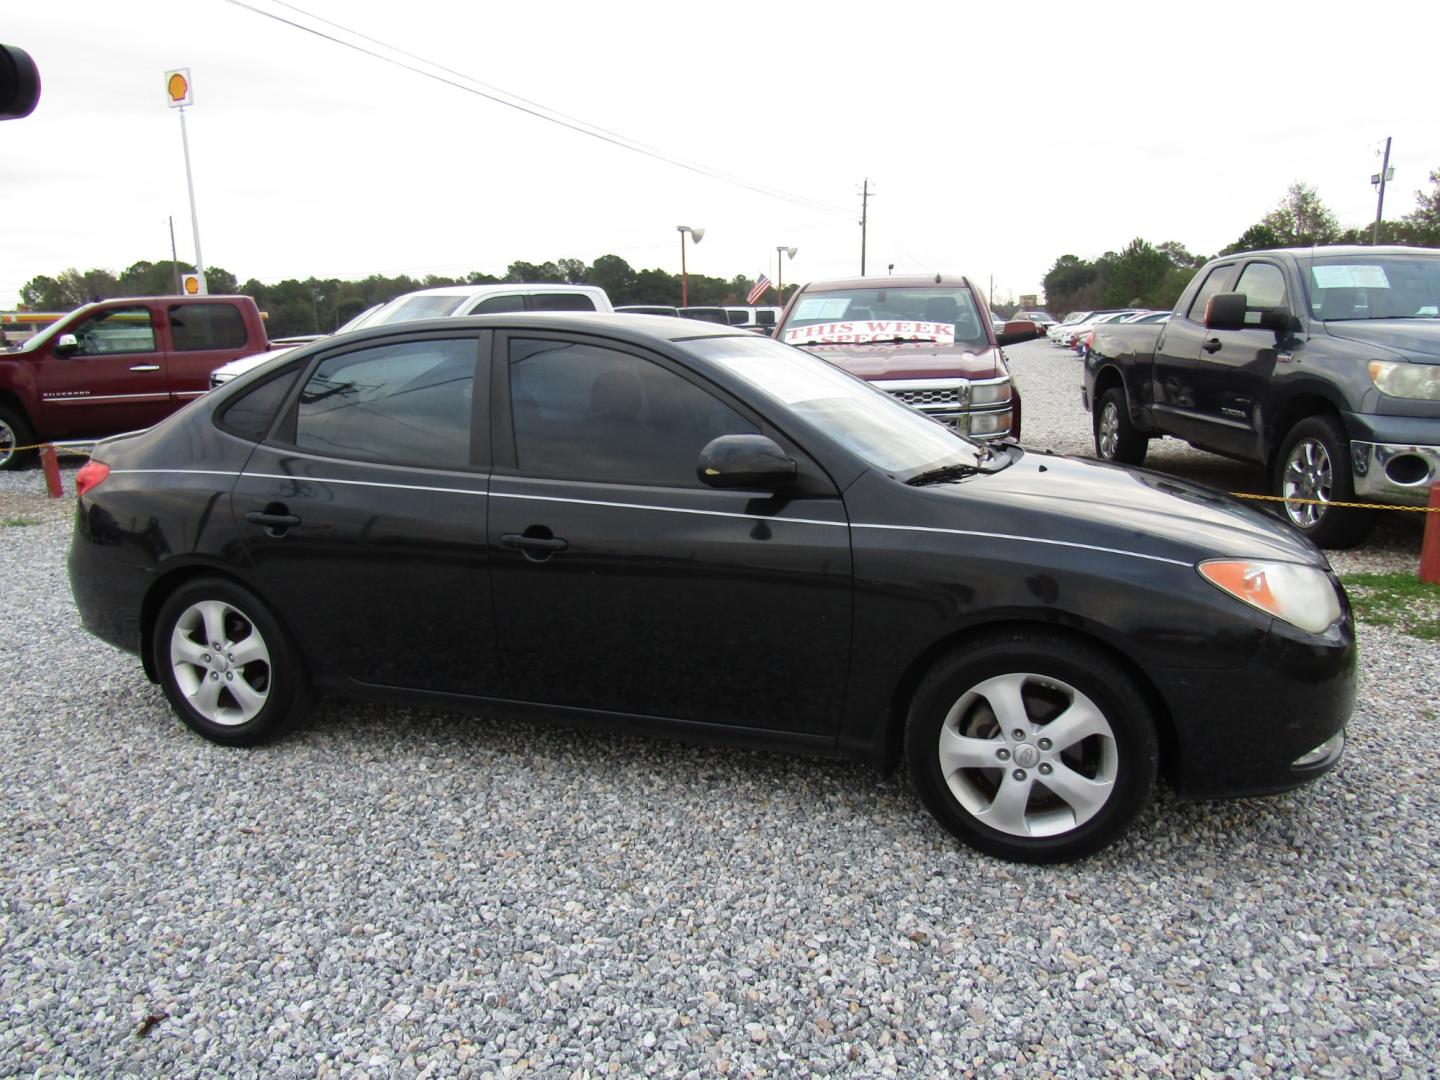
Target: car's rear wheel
{"x": 1032, "y": 746}
{"x": 1116, "y": 438}
{"x": 226, "y": 665}
{"x": 14, "y": 432}
{"x": 1313, "y": 467}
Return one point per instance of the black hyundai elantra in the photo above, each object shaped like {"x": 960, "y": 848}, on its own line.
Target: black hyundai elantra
{"x": 667, "y": 527}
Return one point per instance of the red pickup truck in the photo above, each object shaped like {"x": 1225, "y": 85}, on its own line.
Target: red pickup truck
{"x": 119, "y": 365}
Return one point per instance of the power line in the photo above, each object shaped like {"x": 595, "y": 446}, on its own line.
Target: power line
{"x": 515, "y": 101}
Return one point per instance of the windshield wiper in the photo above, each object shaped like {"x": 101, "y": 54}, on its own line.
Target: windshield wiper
{"x": 943, "y": 473}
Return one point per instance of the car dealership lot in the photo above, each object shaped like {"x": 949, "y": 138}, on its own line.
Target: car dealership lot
{"x": 394, "y": 891}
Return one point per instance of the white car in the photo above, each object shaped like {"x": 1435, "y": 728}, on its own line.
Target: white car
{"x": 444, "y": 302}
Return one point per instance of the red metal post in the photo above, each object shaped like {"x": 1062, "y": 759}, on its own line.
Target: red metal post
{"x": 52, "y": 471}
{"x": 1430, "y": 546}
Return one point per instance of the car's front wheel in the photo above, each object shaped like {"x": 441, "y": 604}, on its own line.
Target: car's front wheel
{"x": 1313, "y": 469}
{"x": 226, "y": 665}
{"x": 1032, "y": 746}
{"x": 15, "y": 433}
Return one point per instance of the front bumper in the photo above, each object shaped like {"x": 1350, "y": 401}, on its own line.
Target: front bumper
{"x": 1275, "y": 724}
{"x": 1394, "y": 472}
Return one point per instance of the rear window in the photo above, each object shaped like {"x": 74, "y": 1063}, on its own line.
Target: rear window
{"x": 556, "y": 301}
{"x": 416, "y": 307}
{"x": 206, "y": 326}
{"x": 251, "y": 414}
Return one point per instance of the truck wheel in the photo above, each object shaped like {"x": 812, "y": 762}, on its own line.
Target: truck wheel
{"x": 1032, "y": 746}
{"x": 14, "y": 431}
{"x": 1116, "y": 438}
{"x": 1314, "y": 464}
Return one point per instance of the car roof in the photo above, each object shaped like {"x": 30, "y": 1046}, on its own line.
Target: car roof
{"x": 1334, "y": 249}
{"x": 495, "y": 286}
{"x": 628, "y": 324}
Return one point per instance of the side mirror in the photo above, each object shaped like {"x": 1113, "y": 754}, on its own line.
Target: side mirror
{"x": 1225, "y": 311}
{"x": 745, "y": 461}
{"x": 1016, "y": 331}
{"x": 66, "y": 344}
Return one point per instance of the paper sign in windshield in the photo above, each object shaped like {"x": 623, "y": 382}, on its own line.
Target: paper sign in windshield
{"x": 860, "y": 332}
{"x": 1350, "y": 277}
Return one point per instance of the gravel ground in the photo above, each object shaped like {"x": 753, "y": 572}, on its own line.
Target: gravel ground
{"x": 395, "y": 892}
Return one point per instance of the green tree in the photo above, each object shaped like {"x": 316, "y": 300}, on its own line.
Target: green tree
{"x": 1136, "y": 276}
{"x": 1301, "y": 219}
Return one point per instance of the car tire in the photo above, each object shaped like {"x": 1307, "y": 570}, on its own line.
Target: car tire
{"x": 249, "y": 689}
{"x": 1314, "y": 463}
{"x": 14, "y": 431}
{"x": 978, "y": 752}
{"x": 1116, "y": 438}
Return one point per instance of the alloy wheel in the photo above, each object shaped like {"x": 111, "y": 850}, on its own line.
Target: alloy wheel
{"x": 1308, "y": 475}
{"x": 1028, "y": 755}
{"x": 221, "y": 662}
{"x": 1109, "y": 430}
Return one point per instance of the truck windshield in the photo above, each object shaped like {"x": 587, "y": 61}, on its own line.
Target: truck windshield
{"x": 939, "y": 313}
{"x": 1373, "y": 286}
{"x": 410, "y": 308}
{"x": 866, "y": 421}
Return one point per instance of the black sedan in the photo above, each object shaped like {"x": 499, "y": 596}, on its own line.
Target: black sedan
{"x": 663, "y": 526}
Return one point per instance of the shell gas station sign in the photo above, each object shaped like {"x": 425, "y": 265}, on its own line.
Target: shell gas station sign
{"x": 179, "y": 91}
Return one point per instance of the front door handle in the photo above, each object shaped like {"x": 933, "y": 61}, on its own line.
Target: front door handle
{"x": 1213, "y": 345}
{"x": 549, "y": 544}
{"x": 144, "y": 367}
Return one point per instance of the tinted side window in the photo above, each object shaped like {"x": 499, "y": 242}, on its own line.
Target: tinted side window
{"x": 406, "y": 403}
{"x": 206, "y": 326}
{"x": 557, "y": 301}
{"x": 1263, "y": 285}
{"x": 118, "y": 330}
{"x": 504, "y": 302}
{"x": 1217, "y": 281}
{"x": 585, "y": 412}
{"x": 251, "y": 414}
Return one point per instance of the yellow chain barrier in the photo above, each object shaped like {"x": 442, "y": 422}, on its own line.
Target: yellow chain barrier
{"x": 41, "y": 446}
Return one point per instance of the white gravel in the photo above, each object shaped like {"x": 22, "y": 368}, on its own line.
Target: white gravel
{"x": 407, "y": 893}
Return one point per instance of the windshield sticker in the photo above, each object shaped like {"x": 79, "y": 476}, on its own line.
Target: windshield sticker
{"x": 822, "y": 307}
{"x": 1350, "y": 277}
{"x": 884, "y": 330}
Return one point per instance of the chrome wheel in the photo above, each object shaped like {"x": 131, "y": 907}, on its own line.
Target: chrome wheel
{"x": 1308, "y": 474}
{"x": 1109, "y": 431}
{"x": 220, "y": 662}
{"x": 1028, "y": 755}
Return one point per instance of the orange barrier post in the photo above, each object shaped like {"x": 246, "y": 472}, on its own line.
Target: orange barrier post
{"x": 52, "y": 471}
{"x": 1430, "y": 546}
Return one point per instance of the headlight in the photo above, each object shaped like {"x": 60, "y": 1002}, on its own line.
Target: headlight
{"x": 1300, "y": 595}
{"x": 990, "y": 393}
{"x": 995, "y": 423}
{"x": 1401, "y": 379}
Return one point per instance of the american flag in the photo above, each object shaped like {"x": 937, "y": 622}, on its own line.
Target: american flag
{"x": 759, "y": 290}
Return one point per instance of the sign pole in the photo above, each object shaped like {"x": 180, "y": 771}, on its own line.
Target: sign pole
{"x": 194, "y": 218}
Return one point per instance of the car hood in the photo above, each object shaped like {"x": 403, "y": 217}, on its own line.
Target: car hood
{"x": 921, "y": 360}
{"x": 1078, "y": 500}
{"x": 1416, "y": 339}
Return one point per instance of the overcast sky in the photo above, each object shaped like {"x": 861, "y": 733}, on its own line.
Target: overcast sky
{"x": 994, "y": 141}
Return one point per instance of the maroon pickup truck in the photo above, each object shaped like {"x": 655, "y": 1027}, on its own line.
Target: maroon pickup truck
{"x": 926, "y": 340}
{"x": 119, "y": 365}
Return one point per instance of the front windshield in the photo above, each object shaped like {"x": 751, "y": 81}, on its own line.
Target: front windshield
{"x": 1373, "y": 286}
{"x": 945, "y": 314}
{"x": 421, "y": 306}
{"x": 866, "y": 421}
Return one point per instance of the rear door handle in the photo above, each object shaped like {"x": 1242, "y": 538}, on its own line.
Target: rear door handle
{"x": 144, "y": 367}
{"x": 534, "y": 543}
{"x": 1213, "y": 345}
{"x": 275, "y": 520}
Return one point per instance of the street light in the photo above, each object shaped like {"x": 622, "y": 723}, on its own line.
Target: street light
{"x": 697, "y": 235}
{"x": 780, "y": 270}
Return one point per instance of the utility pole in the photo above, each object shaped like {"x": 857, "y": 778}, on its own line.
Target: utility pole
{"x": 1380, "y": 178}
{"x": 864, "y": 218}
{"x": 175, "y": 259}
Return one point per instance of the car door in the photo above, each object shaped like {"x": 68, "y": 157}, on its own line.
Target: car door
{"x": 364, "y": 514}
{"x": 624, "y": 584}
{"x": 113, "y": 381}
{"x": 1235, "y": 366}
{"x": 1177, "y": 357}
{"x": 203, "y": 337}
